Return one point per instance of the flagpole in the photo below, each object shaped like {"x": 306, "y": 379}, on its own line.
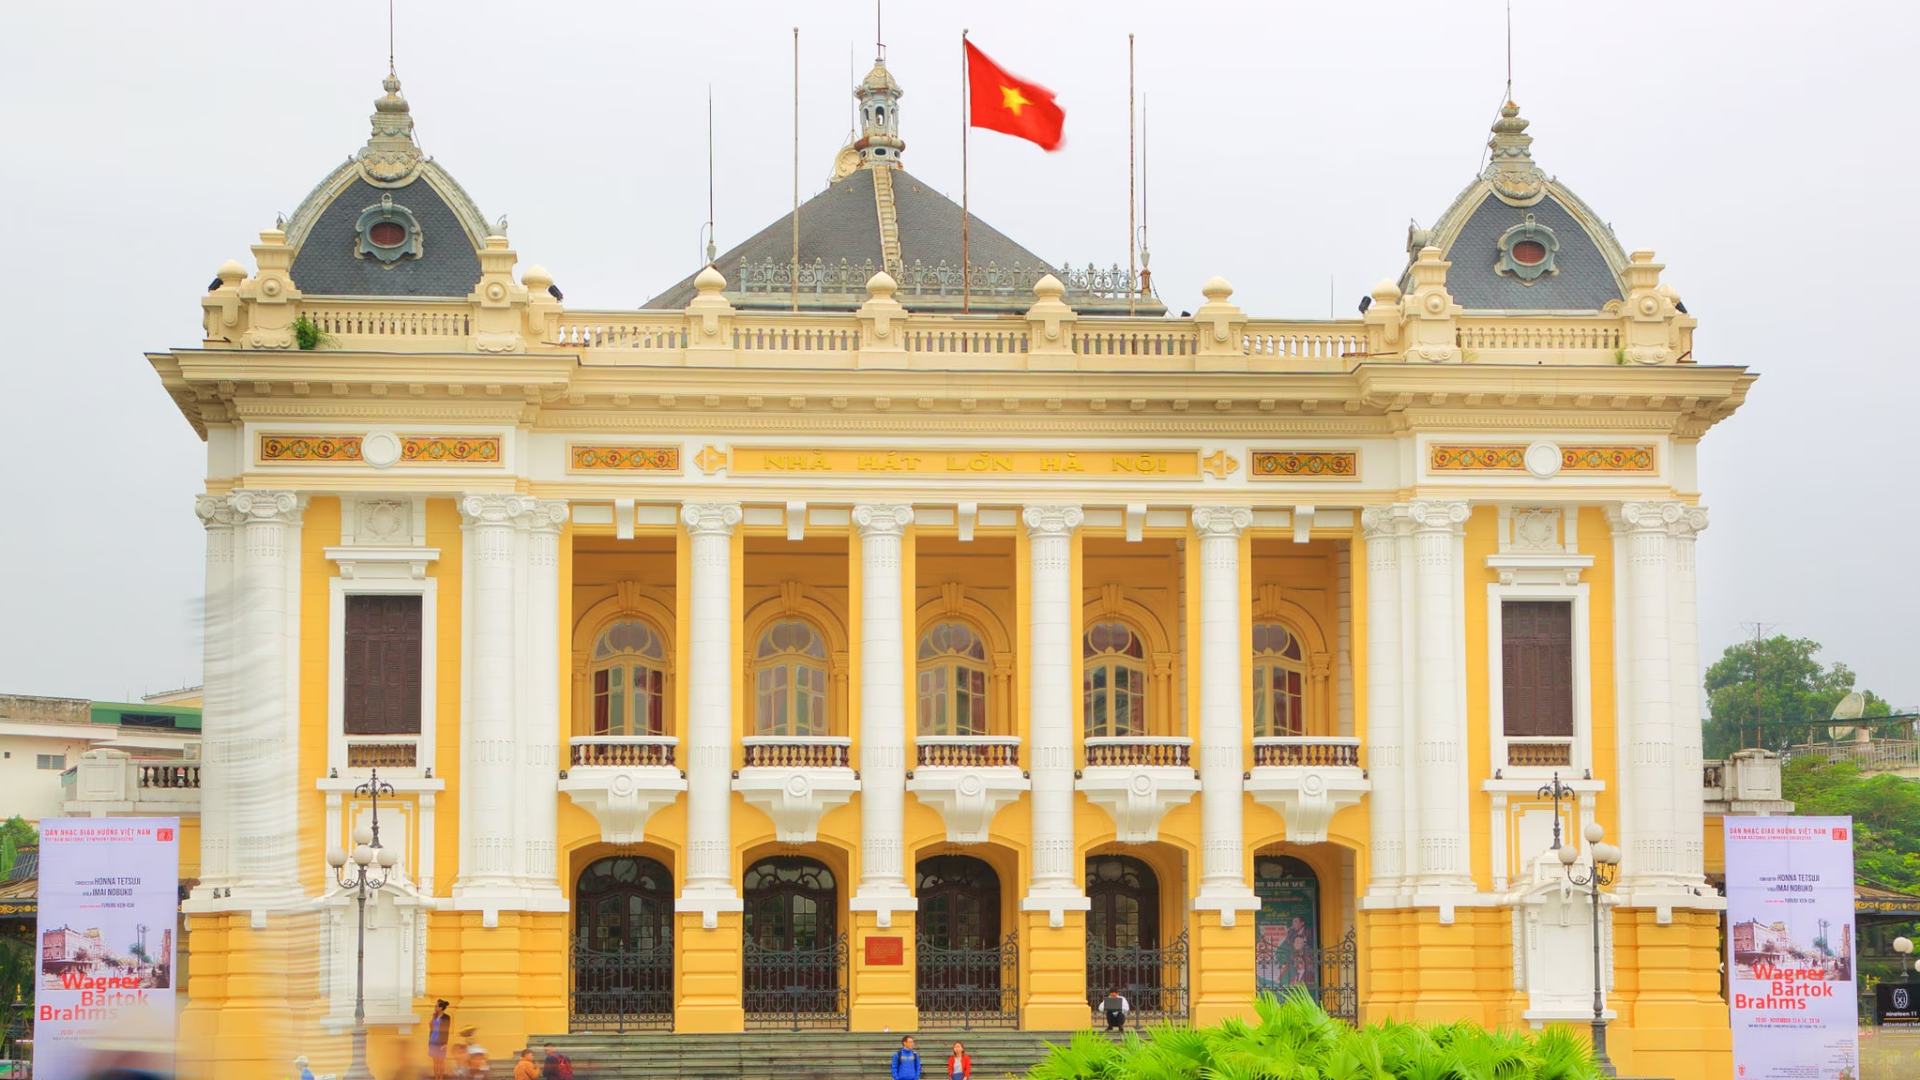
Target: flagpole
{"x": 966, "y": 93}
{"x": 793, "y": 270}
{"x": 1133, "y": 291}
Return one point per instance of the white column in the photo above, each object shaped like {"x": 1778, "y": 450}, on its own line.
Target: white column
{"x": 488, "y": 735}
{"x": 538, "y": 731}
{"x": 219, "y": 637}
{"x": 1689, "y": 802}
{"x": 1054, "y": 709}
{"x": 1647, "y": 738}
{"x": 708, "y": 736}
{"x": 1440, "y": 730}
{"x": 1223, "y": 882}
{"x": 1386, "y": 720}
{"x": 261, "y": 770}
{"x": 883, "y": 726}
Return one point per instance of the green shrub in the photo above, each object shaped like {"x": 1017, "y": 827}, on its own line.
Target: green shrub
{"x": 1292, "y": 1038}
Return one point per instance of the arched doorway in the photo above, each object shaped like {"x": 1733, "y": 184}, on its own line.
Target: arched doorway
{"x": 1124, "y": 950}
{"x": 966, "y": 974}
{"x": 796, "y": 957}
{"x": 1287, "y": 943}
{"x": 622, "y": 946}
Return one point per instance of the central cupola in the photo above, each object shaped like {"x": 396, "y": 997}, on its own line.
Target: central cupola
{"x": 879, "y": 97}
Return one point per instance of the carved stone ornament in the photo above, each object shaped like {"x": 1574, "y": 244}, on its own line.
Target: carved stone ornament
{"x": 882, "y": 520}
{"x": 1052, "y": 520}
{"x": 1227, "y": 521}
{"x": 390, "y": 157}
{"x": 1510, "y": 168}
{"x": 387, "y": 232}
{"x": 710, "y": 519}
{"x": 1527, "y": 252}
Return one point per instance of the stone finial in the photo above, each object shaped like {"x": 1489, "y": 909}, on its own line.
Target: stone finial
{"x": 1656, "y": 330}
{"x": 709, "y": 282}
{"x": 231, "y": 273}
{"x": 1383, "y": 319}
{"x": 1049, "y": 288}
{"x": 1510, "y": 168}
{"x": 881, "y": 286}
{"x": 1216, "y": 290}
{"x": 881, "y": 319}
{"x": 711, "y": 315}
{"x": 536, "y": 278}
{"x": 390, "y": 154}
{"x": 1050, "y": 326}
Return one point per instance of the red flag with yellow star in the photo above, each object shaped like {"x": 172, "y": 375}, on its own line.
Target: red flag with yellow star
{"x": 1011, "y": 106}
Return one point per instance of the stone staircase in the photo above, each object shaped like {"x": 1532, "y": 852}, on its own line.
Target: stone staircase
{"x": 785, "y": 1055}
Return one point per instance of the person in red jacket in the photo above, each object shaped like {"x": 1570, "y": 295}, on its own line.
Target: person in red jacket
{"x": 959, "y": 1064}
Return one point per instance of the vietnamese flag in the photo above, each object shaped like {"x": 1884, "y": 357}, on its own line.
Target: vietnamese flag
{"x": 1000, "y": 102}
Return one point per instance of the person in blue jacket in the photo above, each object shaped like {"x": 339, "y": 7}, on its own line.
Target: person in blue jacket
{"x": 906, "y": 1060}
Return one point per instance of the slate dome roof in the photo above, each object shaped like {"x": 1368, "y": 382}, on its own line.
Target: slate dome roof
{"x": 389, "y": 221}
{"x": 1519, "y": 240}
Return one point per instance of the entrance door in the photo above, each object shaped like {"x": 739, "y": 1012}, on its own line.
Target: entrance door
{"x": 622, "y": 946}
{"x": 796, "y": 958}
{"x": 967, "y": 975}
{"x": 1124, "y": 952}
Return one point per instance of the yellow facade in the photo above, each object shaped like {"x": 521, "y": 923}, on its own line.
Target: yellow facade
{"x": 1115, "y": 510}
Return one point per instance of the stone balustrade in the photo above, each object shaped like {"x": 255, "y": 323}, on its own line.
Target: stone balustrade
{"x": 1140, "y": 751}
{"x": 798, "y": 752}
{"x": 1540, "y": 753}
{"x": 623, "y": 751}
{"x": 1310, "y": 750}
{"x": 382, "y": 755}
{"x": 967, "y": 752}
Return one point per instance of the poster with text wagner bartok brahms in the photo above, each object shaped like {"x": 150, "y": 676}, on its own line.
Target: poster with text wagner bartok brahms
{"x": 1790, "y": 948}
{"x": 104, "y": 987}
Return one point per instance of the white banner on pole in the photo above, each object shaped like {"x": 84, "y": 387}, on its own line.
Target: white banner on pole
{"x": 1790, "y": 947}
{"x": 109, "y": 901}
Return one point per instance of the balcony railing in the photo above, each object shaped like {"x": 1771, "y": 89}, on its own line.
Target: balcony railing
{"x": 1137, "y": 751}
{"x": 798, "y": 752}
{"x": 968, "y": 752}
{"x": 623, "y": 751}
{"x": 171, "y": 775}
{"x": 1876, "y": 755}
{"x": 1311, "y": 750}
{"x": 1539, "y": 753}
{"x": 382, "y": 755}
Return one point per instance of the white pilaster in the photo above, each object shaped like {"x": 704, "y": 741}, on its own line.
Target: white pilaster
{"x": 1650, "y": 865}
{"x": 1440, "y": 730}
{"x": 489, "y": 736}
{"x": 1223, "y": 883}
{"x": 883, "y": 732}
{"x": 1387, "y": 734}
{"x": 1053, "y": 706}
{"x": 537, "y": 732}
{"x": 219, "y": 640}
{"x": 261, "y": 767}
{"x": 708, "y": 884}
{"x": 1689, "y": 800}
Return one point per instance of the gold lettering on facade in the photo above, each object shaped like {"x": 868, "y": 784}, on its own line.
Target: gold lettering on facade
{"x": 1139, "y": 463}
{"x": 979, "y": 463}
{"x": 962, "y": 462}
{"x": 1067, "y": 462}
{"x": 891, "y": 461}
{"x": 796, "y": 461}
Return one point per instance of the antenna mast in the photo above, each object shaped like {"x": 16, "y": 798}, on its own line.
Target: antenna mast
{"x": 1146, "y": 275}
{"x": 793, "y": 273}
{"x": 389, "y": 37}
{"x": 1133, "y": 288}
{"x": 711, "y": 251}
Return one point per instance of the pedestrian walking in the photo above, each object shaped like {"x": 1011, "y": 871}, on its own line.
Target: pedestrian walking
{"x": 1116, "y": 1009}
{"x": 906, "y": 1061}
{"x": 959, "y": 1063}
{"x": 438, "y": 1027}
{"x": 300, "y": 1063}
{"x": 525, "y": 1069}
{"x": 556, "y": 1065}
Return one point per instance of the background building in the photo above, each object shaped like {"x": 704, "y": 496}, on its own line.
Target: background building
{"x": 43, "y": 741}
{"x": 841, "y": 642}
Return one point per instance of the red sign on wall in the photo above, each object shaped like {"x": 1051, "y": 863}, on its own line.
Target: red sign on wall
{"x": 886, "y": 951}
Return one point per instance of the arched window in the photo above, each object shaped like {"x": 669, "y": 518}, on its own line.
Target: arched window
{"x": 1126, "y": 903}
{"x": 624, "y": 904}
{"x": 792, "y": 903}
{"x": 790, "y": 680}
{"x": 1279, "y": 679}
{"x": 952, "y": 666}
{"x": 959, "y": 902}
{"x": 629, "y": 681}
{"x": 1115, "y": 681}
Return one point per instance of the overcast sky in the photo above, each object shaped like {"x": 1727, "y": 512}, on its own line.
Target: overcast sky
{"x": 1765, "y": 151}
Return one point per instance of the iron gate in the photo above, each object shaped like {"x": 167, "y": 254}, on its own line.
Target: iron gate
{"x": 1154, "y": 981}
{"x": 968, "y": 988}
{"x": 620, "y": 990}
{"x": 791, "y": 989}
{"x": 1330, "y": 973}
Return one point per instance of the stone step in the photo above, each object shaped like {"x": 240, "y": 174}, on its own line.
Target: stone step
{"x": 783, "y": 1055}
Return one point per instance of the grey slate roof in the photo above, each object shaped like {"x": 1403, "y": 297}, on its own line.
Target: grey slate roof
{"x": 1585, "y": 280}
{"x": 843, "y": 223}
{"x": 326, "y": 265}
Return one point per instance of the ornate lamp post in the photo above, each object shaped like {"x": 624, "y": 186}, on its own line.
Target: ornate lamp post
{"x": 1904, "y": 946}
{"x": 1605, "y": 866}
{"x": 362, "y": 878}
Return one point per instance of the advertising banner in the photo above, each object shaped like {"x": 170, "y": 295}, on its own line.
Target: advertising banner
{"x": 1790, "y": 948}
{"x": 109, "y": 897}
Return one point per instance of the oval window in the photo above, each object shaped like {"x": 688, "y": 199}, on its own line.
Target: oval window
{"x": 393, "y": 234}
{"x": 1526, "y": 252}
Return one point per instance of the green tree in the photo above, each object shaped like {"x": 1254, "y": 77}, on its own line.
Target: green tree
{"x": 1885, "y": 811}
{"x": 1774, "y": 692}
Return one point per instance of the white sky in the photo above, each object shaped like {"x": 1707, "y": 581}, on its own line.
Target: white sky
{"x": 1765, "y": 151}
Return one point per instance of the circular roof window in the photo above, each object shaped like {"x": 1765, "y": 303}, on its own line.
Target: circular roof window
{"x": 1527, "y": 252}
{"x": 387, "y": 232}
{"x": 390, "y": 233}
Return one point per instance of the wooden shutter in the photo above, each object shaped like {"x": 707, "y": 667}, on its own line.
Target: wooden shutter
{"x": 383, "y": 665}
{"x": 1536, "y": 666}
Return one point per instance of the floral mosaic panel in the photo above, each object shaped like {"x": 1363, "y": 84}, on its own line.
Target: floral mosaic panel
{"x": 624, "y": 458}
{"x": 1619, "y": 459}
{"x": 450, "y": 449}
{"x": 346, "y": 449}
{"x": 1305, "y": 465}
{"x": 302, "y": 448}
{"x": 1512, "y": 457}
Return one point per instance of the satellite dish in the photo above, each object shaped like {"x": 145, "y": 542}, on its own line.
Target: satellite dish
{"x": 1850, "y": 708}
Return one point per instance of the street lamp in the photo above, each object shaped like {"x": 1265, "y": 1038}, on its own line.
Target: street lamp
{"x": 1605, "y": 866}
{"x": 1904, "y": 946}
{"x": 361, "y": 879}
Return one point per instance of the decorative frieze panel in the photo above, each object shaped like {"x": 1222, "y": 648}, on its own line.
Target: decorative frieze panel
{"x": 1305, "y": 465}
{"x": 1541, "y": 459}
{"x": 583, "y": 457}
{"x": 379, "y": 449}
